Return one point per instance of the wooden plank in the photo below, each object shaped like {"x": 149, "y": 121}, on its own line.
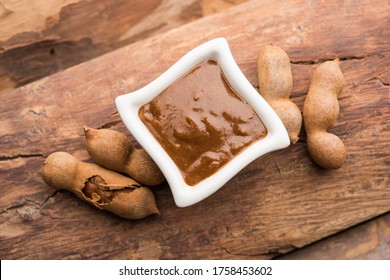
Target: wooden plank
{"x": 215, "y": 6}
{"x": 368, "y": 241}
{"x": 38, "y": 38}
{"x": 279, "y": 202}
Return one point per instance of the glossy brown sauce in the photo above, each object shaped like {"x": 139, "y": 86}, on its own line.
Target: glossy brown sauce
{"x": 201, "y": 122}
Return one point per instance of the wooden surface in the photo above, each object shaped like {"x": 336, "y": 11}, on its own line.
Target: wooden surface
{"x": 52, "y": 37}
{"x": 280, "y": 202}
{"x": 367, "y": 241}
{"x": 38, "y": 38}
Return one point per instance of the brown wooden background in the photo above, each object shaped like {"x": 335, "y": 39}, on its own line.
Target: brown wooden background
{"x": 279, "y": 203}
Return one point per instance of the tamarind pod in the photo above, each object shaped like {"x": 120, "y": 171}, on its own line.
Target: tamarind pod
{"x": 114, "y": 150}
{"x": 105, "y": 189}
{"x": 275, "y": 86}
{"x": 320, "y": 111}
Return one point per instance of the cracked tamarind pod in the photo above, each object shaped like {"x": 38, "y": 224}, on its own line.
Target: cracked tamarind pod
{"x": 114, "y": 150}
{"x": 320, "y": 111}
{"x": 105, "y": 189}
{"x": 275, "y": 85}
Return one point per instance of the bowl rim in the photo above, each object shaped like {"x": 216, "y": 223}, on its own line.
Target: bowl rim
{"x": 218, "y": 50}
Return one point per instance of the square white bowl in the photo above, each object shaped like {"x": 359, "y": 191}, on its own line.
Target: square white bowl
{"x": 218, "y": 50}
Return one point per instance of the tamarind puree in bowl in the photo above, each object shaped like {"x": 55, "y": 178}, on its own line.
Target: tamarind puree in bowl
{"x": 201, "y": 122}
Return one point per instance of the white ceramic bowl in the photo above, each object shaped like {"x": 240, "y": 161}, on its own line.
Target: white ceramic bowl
{"x": 217, "y": 50}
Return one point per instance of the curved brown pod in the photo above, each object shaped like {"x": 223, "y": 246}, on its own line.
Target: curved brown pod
{"x": 320, "y": 111}
{"x": 275, "y": 85}
{"x": 114, "y": 150}
{"x": 105, "y": 189}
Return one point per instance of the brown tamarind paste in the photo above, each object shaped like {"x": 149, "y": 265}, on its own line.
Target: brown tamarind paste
{"x": 201, "y": 122}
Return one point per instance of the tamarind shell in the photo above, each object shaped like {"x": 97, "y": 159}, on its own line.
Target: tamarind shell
{"x": 275, "y": 86}
{"x": 113, "y": 150}
{"x": 320, "y": 111}
{"x": 327, "y": 150}
{"x": 105, "y": 189}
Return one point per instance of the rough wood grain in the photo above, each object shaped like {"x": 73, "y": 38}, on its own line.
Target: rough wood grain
{"x": 368, "y": 241}
{"x": 38, "y": 38}
{"x": 215, "y": 6}
{"x": 279, "y": 202}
